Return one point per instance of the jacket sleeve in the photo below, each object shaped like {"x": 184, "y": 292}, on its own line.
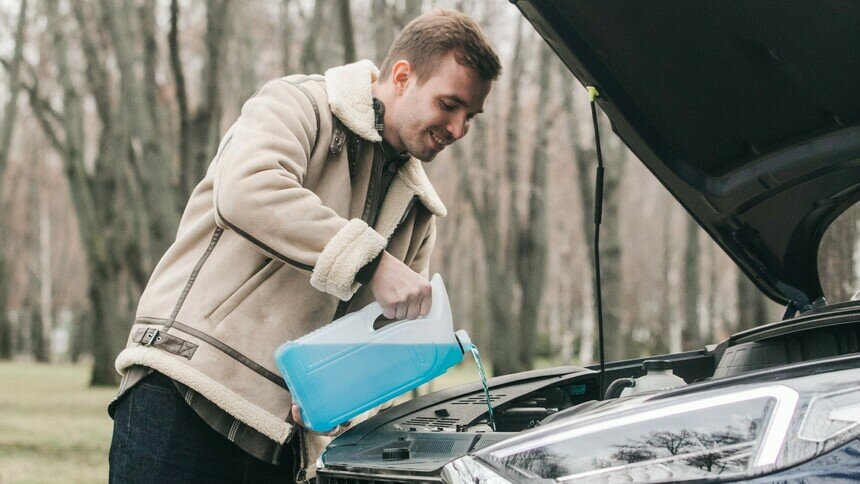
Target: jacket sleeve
{"x": 259, "y": 192}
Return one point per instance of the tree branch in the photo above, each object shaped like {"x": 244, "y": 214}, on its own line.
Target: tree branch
{"x": 181, "y": 97}
{"x": 42, "y": 110}
{"x": 7, "y": 124}
{"x": 97, "y": 75}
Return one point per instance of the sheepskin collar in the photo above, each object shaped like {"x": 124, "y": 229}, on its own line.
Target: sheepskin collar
{"x": 412, "y": 174}
{"x": 350, "y": 95}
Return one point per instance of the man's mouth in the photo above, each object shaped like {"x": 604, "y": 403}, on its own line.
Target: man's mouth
{"x": 441, "y": 143}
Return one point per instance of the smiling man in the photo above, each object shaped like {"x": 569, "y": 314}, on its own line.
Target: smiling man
{"x": 315, "y": 205}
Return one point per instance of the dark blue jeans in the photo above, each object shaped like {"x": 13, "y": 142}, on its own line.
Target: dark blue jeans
{"x": 158, "y": 438}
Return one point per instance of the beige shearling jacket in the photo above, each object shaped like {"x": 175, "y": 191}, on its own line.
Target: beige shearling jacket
{"x": 271, "y": 241}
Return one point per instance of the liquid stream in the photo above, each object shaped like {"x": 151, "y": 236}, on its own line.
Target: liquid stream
{"x": 483, "y": 376}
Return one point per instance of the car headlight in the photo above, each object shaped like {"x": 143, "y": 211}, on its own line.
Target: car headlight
{"x": 710, "y": 435}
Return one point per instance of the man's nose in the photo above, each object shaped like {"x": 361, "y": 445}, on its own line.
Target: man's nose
{"x": 458, "y": 127}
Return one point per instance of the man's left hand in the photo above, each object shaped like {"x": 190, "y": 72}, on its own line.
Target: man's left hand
{"x": 297, "y": 415}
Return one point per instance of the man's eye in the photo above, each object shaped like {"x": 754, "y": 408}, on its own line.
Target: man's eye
{"x": 446, "y": 106}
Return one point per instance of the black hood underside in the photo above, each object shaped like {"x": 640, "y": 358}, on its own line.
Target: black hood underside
{"x": 747, "y": 111}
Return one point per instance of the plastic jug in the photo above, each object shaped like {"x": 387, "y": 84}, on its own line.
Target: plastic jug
{"x": 348, "y": 367}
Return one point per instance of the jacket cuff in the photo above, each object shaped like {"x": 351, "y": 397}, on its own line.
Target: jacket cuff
{"x": 351, "y": 248}
{"x": 365, "y": 274}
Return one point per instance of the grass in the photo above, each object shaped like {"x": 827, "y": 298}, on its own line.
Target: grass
{"x": 55, "y": 428}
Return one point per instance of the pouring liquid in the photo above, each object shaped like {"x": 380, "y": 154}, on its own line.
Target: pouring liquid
{"x": 483, "y": 376}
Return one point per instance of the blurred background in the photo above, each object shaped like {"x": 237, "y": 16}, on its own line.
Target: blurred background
{"x": 112, "y": 110}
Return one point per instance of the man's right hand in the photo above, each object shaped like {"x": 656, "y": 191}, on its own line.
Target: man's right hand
{"x": 402, "y": 293}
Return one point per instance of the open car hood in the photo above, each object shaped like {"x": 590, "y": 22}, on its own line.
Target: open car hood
{"x": 747, "y": 111}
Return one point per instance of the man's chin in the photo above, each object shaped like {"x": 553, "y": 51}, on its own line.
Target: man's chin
{"x": 425, "y": 157}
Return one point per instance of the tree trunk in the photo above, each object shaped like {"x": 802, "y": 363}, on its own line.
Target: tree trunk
{"x": 7, "y": 127}
{"x": 691, "y": 335}
{"x": 499, "y": 279}
{"x": 836, "y": 258}
{"x": 38, "y": 341}
{"x": 110, "y": 212}
{"x": 186, "y": 167}
{"x": 714, "y": 316}
{"x": 150, "y": 65}
{"x": 5, "y": 325}
{"x": 158, "y": 218}
{"x": 200, "y": 139}
{"x": 411, "y": 9}
{"x": 106, "y": 314}
{"x": 673, "y": 322}
{"x": 310, "y": 51}
{"x": 246, "y": 65}
{"x": 752, "y": 306}
{"x": 46, "y": 304}
{"x": 532, "y": 241}
{"x": 348, "y": 38}
{"x": 660, "y": 333}
{"x": 500, "y": 242}
{"x": 584, "y": 161}
{"x": 382, "y": 35}
{"x": 80, "y": 340}
{"x": 286, "y": 38}
{"x": 37, "y": 336}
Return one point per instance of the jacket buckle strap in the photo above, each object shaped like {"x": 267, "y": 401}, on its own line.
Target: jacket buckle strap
{"x": 166, "y": 342}
{"x": 337, "y": 141}
{"x": 150, "y": 336}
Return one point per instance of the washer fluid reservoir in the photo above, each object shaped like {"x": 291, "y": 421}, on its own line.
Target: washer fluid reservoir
{"x": 658, "y": 376}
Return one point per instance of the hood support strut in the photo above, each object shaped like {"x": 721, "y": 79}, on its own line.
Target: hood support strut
{"x": 593, "y": 95}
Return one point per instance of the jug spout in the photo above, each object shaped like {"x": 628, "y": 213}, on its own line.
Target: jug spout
{"x": 463, "y": 340}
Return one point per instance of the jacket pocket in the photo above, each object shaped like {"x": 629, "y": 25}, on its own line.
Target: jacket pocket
{"x": 233, "y": 301}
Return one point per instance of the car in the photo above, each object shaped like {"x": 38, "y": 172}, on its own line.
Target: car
{"x": 747, "y": 112}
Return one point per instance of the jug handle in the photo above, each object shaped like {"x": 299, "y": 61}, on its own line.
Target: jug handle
{"x": 373, "y": 311}
{"x": 440, "y": 299}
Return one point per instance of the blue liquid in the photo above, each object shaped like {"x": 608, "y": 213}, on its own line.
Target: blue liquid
{"x": 483, "y": 376}
{"x": 333, "y": 383}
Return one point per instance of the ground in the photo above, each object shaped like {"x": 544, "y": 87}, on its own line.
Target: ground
{"x": 54, "y": 428}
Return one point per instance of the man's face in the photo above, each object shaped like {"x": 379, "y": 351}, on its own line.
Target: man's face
{"x": 437, "y": 113}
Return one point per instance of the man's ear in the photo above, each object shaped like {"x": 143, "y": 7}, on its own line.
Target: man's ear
{"x": 401, "y": 73}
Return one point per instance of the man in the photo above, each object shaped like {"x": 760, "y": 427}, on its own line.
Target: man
{"x": 311, "y": 208}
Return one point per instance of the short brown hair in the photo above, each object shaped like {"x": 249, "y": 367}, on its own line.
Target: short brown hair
{"x": 428, "y": 38}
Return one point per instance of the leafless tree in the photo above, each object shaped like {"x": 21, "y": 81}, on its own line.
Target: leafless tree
{"x": 7, "y": 127}
{"x": 691, "y": 334}
{"x": 348, "y": 38}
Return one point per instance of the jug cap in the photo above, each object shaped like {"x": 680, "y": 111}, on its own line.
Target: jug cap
{"x": 656, "y": 365}
{"x": 463, "y": 339}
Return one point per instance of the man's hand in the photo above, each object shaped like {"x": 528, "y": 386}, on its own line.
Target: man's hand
{"x": 297, "y": 415}
{"x": 402, "y": 293}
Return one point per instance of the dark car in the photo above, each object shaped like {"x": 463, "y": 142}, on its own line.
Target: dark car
{"x": 748, "y": 112}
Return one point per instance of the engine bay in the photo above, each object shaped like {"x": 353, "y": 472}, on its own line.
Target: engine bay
{"x": 415, "y": 439}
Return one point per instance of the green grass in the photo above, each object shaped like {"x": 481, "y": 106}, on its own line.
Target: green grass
{"x": 53, "y": 427}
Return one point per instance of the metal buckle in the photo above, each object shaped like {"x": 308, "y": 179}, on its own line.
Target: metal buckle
{"x": 149, "y": 337}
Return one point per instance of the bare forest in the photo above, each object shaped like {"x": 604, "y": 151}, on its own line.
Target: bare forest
{"x": 112, "y": 110}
